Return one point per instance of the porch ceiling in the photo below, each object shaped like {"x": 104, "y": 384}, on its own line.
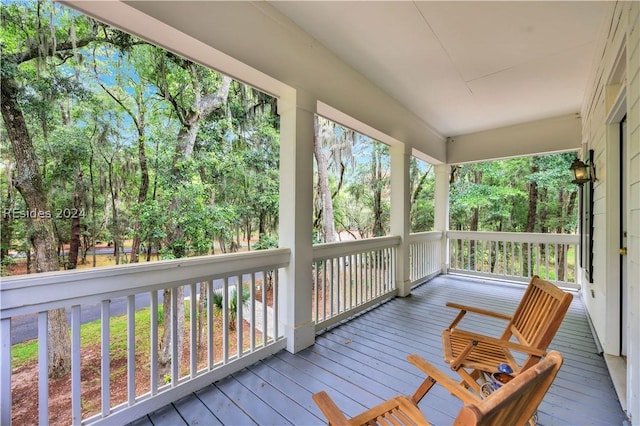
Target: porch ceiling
{"x": 464, "y": 66}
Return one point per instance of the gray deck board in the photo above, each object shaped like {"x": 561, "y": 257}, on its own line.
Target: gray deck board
{"x": 167, "y": 415}
{"x": 363, "y": 362}
{"x": 221, "y": 405}
{"x": 194, "y": 412}
{"x": 286, "y": 396}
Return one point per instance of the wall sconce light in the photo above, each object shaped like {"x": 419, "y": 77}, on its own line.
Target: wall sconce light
{"x": 583, "y": 172}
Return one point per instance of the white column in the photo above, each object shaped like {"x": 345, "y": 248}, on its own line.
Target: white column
{"x": 400, "y": 213}
{"x": 441, "y": 214}
{"x": 296, "y": 212}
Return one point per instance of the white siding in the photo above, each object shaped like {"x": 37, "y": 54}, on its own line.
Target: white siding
{"x": 596, "y": 135}
{"x": 602, "y": 297}
{"x": 633, "y": 125}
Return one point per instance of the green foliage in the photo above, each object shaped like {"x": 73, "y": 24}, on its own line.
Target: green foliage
{"x": 4, "y": 263}
{"x": 93, "y": 96}
{"x": 498, "y": 193}
{"x": 359, "y": 178}
{"x": 422, "y": 190}
{"x": 266, "y": 242}
{"x": 217, "y": 299}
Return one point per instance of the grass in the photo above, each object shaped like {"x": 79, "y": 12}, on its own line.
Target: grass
{"x": 90, "y": 334}
{"x": 23, "y": 353}
{"x": 27, "y": 352}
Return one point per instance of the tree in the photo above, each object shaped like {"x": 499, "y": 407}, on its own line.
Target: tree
{"x": 422, "y": 186}
{"x": 194, "y": 93}
{"x": 29, "y": 183}
{"x": 28, "y": 178}
{"x": 496, "y": 194}
{"x": 324, "y": 134}
{"x": 379, "y": 182}
{"x": 36, "y": 55}
{"x": 29, "y": 39}
{"x": 134, "y": 103}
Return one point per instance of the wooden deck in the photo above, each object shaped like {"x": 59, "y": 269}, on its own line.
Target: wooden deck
{"x": 363, "y": 362}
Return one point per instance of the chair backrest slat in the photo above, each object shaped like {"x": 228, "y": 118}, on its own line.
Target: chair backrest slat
{"x": 539, "y": 314}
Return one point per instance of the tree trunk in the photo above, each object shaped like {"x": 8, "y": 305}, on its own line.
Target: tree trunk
{"x": 328, "y": 227}
{"x": 144, "y": 177}
{"x": 164, "y": 358}
{"x": 475, "y": 218}
{"x": 202, "y": 318}
{"x": 531, "y": 217}
{"x": 30, "y": 184}
{"x": 6, "y": 226}
{"x": 94, "y": 221}
{"x": 6, "y": 234}
{"x": 571, "y": 205}
{"x": 74, "y": 244}
{"x": 543, "y": 215}
{"x": 115, "y": 224}
{"x": 419, "y": 186}
{"x": 142, "y": 191}
{"x": 473, "y": 226}
{"x": 561, "y": 253}
{"x": 378, "y": 226}
{"x": 248, "y": 229}
{"x": 533, "y": 200}
{"x": 262, "y": 225}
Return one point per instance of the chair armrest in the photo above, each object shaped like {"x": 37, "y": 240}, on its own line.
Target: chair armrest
{"x": 330, "y": 409}
{"x": 464, "y": 309}
{"x": 479, "y": 311}
{"x": 481, "y": 338}
{"x": 444, "y": 380}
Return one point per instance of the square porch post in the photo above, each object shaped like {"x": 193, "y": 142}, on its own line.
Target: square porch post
{"x": 400, "y": 213}
{"x": 441, "y": 213}
{"x": 295, "y": 227}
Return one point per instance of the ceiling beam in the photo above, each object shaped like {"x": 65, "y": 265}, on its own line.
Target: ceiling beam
{"x": 547, "y": 136}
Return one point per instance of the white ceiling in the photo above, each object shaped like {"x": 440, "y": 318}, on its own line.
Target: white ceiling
{"x": 464, "y": 66}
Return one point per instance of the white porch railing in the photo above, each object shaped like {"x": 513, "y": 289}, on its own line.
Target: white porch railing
{"x": 515, "y": 256}
{"x": 214, "y": 349}
{"x": 351, "y": 276}
{"x": 348, "y": 277}
{"x": 425, "y": 250}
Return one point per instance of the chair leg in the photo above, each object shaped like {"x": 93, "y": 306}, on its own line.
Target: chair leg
{"x": 470, "y": 379}
{"x": 422, "y": 390}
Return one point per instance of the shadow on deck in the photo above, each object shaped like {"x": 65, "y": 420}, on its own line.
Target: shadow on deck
{"x": 363, "y": 362}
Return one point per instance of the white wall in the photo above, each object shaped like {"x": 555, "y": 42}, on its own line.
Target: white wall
{"x": 615, "y": 91}
{"x": 633, "y": 126}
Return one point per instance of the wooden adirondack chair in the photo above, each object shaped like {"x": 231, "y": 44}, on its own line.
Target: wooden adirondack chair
{"x": 528, "y": 332}
{"x": 512, "y": 404}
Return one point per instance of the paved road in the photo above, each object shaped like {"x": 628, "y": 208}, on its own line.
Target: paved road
{"x": 99, "y": 250}
{"x": 25, "y": 327}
